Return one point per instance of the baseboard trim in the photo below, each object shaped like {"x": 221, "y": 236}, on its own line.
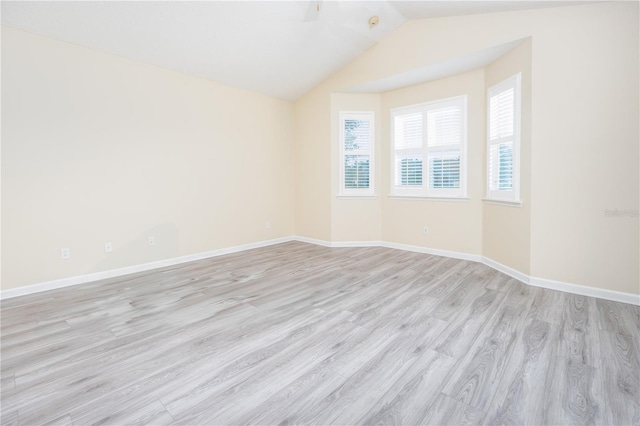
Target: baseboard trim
{"x": 315, "y": 241}
{"x": 581, "y": 290}
{"x": 398, "y": 246}
{"x": 337, "y": 244}
{"x": 513, "y": 273}
{"x": 600, "y": 293}
{"x": 114, "y": 273}
{"x": 435, "y": 252}
{"x": 615, "y": 296}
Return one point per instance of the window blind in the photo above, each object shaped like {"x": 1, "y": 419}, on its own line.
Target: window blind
{"x": 356, "y": 150}
{"x": 503, "y": 140}
{"x": 429, "y": 142}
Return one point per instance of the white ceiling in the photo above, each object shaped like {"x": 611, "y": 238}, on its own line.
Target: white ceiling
{"x": 279, "y": 48}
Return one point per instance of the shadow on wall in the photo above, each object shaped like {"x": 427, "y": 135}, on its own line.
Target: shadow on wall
{"x": 139, "y": 251}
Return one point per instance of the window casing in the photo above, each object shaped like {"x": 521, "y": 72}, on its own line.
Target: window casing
{"x": 429, "y": 149}
{"x": 503, "y": 140}
{"x": 357, "y": 141}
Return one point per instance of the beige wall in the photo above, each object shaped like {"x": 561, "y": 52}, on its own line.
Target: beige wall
{"x": 98, "y": 148}
{"x": 312, "y": 162}
{"x": 585, "y": 147}
{"x": 453, "y": 225}
{"x": 507, "y": 229}
{"x": 584, "y": 132}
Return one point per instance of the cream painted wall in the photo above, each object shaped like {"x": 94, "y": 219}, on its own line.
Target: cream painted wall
{"x": 585, "y": 147}
{"x": 584, "y": 91}
{"x": 453, "y": 225}
{"x": 507, "y": 229}
{"x": 99, "y": 148}
{"x": 355, "y": 219}
{"x": 312, "y": 162}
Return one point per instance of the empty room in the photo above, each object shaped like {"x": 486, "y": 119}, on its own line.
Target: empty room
{"x": 320, "y": 212}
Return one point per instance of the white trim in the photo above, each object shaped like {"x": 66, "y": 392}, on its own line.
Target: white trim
{"x": 435, "y": 252}
{"x": 424, "y": 190}
{"x": 503, "y": 202}
{"x": 419, "y": 197}
{"x": 357, "y": 197}
{"x": 342, "y": 244}
{"x": 338, "y": 244}
{"x": 362, "y": 116}
{"x": 513, "y": 273}
{"x": 600, "y": 293}
{"x": 515, "y": 82}
{"x": 96, "y": 276}
{"x": 315, "y": 241}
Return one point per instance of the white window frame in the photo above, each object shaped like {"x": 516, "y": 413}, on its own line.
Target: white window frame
{"x": 424, "y": 191}
{"x": 513, "y": 195}
{"x": 357, "y": 115}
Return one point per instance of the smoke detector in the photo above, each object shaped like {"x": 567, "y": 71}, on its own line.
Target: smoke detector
{"x": 373, "y": 21}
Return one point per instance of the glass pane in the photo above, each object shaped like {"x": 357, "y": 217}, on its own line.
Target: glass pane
{"x": 409, "y": 169}
{"x": 357, "y": 134}
{"x": 501, "y": 167}
{"x": 356, "y": 171}
{"x": 444, "y": 169}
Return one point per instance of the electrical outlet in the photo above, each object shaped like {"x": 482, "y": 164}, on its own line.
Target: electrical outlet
{"x": 65, "y": 253}
{"x": 152, "y": 241}
{"x": 108, "y": 248}
{"x": 425, "y": 230}
{"x": 267, "y": 225}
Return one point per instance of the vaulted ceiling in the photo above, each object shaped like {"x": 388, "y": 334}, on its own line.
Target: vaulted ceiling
{"x": 279, "y": 48}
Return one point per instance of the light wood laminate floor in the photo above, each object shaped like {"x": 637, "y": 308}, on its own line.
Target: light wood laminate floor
{"x": 302, "y": 334}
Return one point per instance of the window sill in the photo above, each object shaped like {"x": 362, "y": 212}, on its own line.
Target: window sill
{"x": 422, "y": 197}
{"x": 503, "y": 202}
{"x": 357, "y": 197}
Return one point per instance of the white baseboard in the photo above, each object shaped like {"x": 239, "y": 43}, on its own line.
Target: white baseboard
{"x": 600, "y": 293}
{"x": 323, "y": 243}
{"x": 435, "y": 252}
{"x": 582, "y": 290}
{"x": 355, "y": 244}
{"x": 615, "y": 296}
{"x": 513, "y": 273}
{"x": 398, "y": 246}
{"x": 113, "y": 273}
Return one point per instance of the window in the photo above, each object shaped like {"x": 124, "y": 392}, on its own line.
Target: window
{"x": 429, "y": 143}
{"x": 356, "y": 153}
{"x": 503, "y": 155}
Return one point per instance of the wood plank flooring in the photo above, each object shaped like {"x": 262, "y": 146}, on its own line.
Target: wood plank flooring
{"x": 302, "y": 334}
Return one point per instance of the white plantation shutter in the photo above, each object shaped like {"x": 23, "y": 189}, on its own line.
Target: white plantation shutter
{"x": 409, "y": 168}
{"x": 360, "y": 130}
{"x": 444, "y": 126}
{"x": 444, "y": 169}
{"x": 503, "y": 140}
{"x": 356, "y": 153}
{"x": 429, "y": 143}
{"x": 408, "y": 131}
{"x": 408, "y": 137}
{"x": 501, "y": 116}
